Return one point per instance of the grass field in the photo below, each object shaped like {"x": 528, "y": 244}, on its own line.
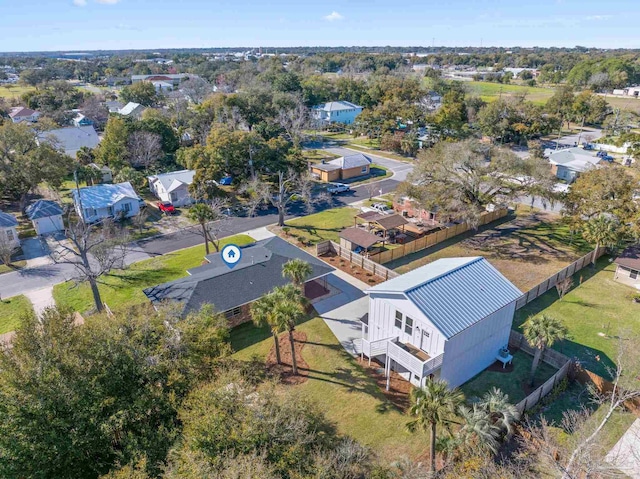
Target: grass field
{"x": 322, "y": 226}
{"x": 596, "y": 312}
{"x": 489, "y": 91}
{"x": 13, "y": 91}
{"x": 629, "y": 104}
{"x": 526, "y": 248}
{"x": 343, "y": 391}
{"x": 11, "y": 310}
{"x": 124, "y": 288}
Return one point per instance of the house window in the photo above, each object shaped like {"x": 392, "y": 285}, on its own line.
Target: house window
{"x": 364, "y": 169}
{"x": 408, "y": 325}
{"x": 232, "y": 313}
{"x": 126, "y": 207}
{"x": 10, "y": 236}
{"x": 398, "y": 320}
{"x": 633, "y": 274}
{"x": 90, "y": 212}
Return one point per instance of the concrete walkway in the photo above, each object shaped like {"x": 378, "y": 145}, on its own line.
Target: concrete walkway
{"x": 41, "y": 299}
{"x": 625, "y": 455}
{"x": 260, "y": 233}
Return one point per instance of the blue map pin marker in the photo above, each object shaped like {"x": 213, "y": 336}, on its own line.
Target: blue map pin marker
{"x": 231, "y": 255}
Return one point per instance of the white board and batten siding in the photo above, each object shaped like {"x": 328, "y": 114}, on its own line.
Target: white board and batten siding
{"x": 484, "y": 339}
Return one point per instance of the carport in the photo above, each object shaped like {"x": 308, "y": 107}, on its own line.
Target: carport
{"x": 354, "y": 238}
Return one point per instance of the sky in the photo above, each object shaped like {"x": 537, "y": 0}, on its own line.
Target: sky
{"x": 44, "y": 25}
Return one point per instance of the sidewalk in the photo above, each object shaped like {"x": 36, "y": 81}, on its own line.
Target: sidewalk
{"x": 41, "y": 299}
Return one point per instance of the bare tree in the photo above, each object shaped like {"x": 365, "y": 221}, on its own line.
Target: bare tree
{"x": 294, "y": 121}
{"x": 93, "y": 250}
{"x": 93, "y": 108}
{"x": 7, "y": 248}
{"x": 140, "y": 219}
{"x": 197, "y": 89}
{"x": 290, "y": 186}
{"x": 145, "y": 148}
{"x": 371, "y": 188}
{"x": 563, "y": 287}
{"x": 256, "y": 191}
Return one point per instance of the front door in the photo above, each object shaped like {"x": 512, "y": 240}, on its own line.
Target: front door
{"x": 425, "y": 340}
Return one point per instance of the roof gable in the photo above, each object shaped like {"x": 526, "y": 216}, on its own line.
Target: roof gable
{"x": 7, "y": 220}
{"x": 351, "y": 161}
{"x": 171, "y": 181}
{"x": 43, "y": 209}
{"x": 102, "y": 196}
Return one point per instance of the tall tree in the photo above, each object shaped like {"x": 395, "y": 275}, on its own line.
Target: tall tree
{"x": 141, "y": 92}
{"x": 202, "y": 214}
{"x": 478, "y": 430}
{"x": 145, "y": 149}
{"x": 289, "y": 310}
{"x": 297, "y": 270}
{"x": 542, "y": 332}
{"x": 503, "y": 413}
{"x": 601, "y": 231}
{"x": 434, "y": 404}
{"x": 112, "y": 150}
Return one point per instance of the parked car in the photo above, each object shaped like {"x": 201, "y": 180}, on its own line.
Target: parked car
{"x": 226, "y": 181}
{"x": 166, "y": 207}
{"x": 382, "y": 208}
{"x": 336, "y": 188}
{"x": 587, "y": 146}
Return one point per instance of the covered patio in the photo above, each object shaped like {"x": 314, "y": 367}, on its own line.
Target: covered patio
{"x": 389, "y": 228}
{"x": 358, "y": 240}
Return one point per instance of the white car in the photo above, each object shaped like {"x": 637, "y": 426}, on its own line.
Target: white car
{"x": 336, "y": 188}
{"x": 382, "y": 208}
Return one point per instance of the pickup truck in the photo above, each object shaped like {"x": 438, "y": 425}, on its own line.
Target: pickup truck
{"x": 166, "y": 207}
{"x": 378, "y": 208}
{"x": 337, "y": 188}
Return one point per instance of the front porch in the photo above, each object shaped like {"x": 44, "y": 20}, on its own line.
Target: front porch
{"x": 399, "y": 356}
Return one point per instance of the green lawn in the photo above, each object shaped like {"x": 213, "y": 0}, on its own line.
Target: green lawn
{"x": 12, "y": 91}
{"x": 348, "y": 397}
{"x": 11, "y": 311}
{"x": 14, "y": 266}
{"x": 511, "y": 383}
{"x": 124, "y": 288}
{"x": 526, "y": 249}
{"x": 322, "y": 226}
{"x": 490, "y": 91}
{"x": 596, "y": 312}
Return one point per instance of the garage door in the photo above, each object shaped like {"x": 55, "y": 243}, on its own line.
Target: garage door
{"x": 49, "y": 225}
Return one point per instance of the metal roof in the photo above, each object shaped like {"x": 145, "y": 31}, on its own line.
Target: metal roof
{"x": 336, "y": 105}
{"x": 454, "y": 293}
{"x": 7, "y": 220}
{"x": 171, "y": 181}
{"x": 103, "y": 196}
{"x": 43, "y": 209}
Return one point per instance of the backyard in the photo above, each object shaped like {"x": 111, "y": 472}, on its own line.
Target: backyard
{"x": 11, "y": 310}
{"x": 14, "y": 91}
{"x": 597, "y": 311}
{"x": 325, "y": 225}
{"x": 124, "y": 288}
{"x": 527, "y": 248}
{"x": 347, "y": 395}
{"x": 489, "y": 91}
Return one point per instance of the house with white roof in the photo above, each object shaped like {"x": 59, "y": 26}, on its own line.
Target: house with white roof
{"x": 342, "y": 168}
{"x": 95, "y": 203}
{"x": 449, "y": 319}
{"x": 72, "y": 138}
{"x": 8, "y": 230}
{"x": 132, "y": 109}
{"x": 46, "y": 217}
{"x": 336, "y": 112}
{"x": 173, "y": 187}
{"x": 568, "y": 163}
{"x": 21, "y": 113}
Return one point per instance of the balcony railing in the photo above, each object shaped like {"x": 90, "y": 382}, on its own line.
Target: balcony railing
{"x": 400, "y": 355}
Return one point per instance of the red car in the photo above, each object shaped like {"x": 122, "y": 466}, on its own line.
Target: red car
{"x": 166, "y": 207}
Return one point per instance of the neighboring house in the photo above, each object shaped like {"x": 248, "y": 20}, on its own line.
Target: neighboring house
{"x": 46, "y": 217}
{"x": 132, "y": 109}
{"x": 173, "y": 79}
{"x": 20, "y": 113}
{"x": 107, "y": 173}
{"x": 173, "y": 187}
{"x": 8, "y": 230}
{"x": 336, "y": 112}
{"x": 81, "y": 120}
{"x": 232, "y": 290}
{"x": 342, "y": 168}
{"x": 162, "y": 86}
{"x": 448, "y": 320}
{"x": 567, "y": 164}
{"x": 106, "y": 201}
{"x": 628, "y": 267}
{"x": 114, "y": 106}
{"x": 115, "y": 81}
{"x": 71, "y": 138}
{"x": 632, "y": 91}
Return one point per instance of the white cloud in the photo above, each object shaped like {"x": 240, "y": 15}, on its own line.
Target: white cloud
{"x": 79, "y": 3}
{"x": 108, "y": 2}
{"x": 333, "y": 16}
{"x": 598, "y": 17}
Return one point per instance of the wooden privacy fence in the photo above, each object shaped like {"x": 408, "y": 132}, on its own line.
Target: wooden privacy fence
{"x": 425, "y": 242}
{"x": 354, "y": 258}
{"x": 551, "y": 281}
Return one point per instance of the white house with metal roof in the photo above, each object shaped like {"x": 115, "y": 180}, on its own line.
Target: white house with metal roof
{"x": 568, "y": 163}
{"x": 173, "y": 187}
{"x": 95, "y": 203}
{"x": 448, "y": 319}
{"x": 336, "y": 112}
{"x": 8, "y": 230}
{"x": 46, "y": 217}
{"x": 132, "y": 109}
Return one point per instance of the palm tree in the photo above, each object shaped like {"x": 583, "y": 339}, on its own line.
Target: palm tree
{"x": 432, "y": 405}
{"x": 202, "y": 214}
{"x": 503, "y": 413}
{"x": 288, "y": 311}
{"x": 478, "y": 429}
{"x": 297, "y": 271}
{"x": 541, "y": 332}
{"x": 601, "y": 231}
{"x": 262, "y": 312}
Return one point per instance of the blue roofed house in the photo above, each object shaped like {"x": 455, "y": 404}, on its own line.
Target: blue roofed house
{"x": 336, "y": 112}
{"x": 448, "y": 319}
{"x": 72, "y": 138}
{"x": 9, "y": 231}
{"x": 98, "y": 202}
{"x": 173, "y": 187}
{"x": 46, "y": 217}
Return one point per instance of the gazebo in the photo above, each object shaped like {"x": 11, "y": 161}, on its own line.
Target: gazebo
{"x": 387, "y": 224}
{"x": 357, "y": 238}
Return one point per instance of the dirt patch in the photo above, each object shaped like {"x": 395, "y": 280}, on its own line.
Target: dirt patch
{"x": 497, "y": 367}
{"x": 356, "y": 271}
{"x": 399, "y": 388}
{"x": 284, "y": 370}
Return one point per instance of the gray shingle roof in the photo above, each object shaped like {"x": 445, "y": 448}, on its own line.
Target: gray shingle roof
{"x": 337, "y": 105}
{"x": 7, "y": 220}
{"x": 351, "y": 161}
{"x": 172, "y": 180}
{"x": 454, "y": 293}
{"x": 257, "y": 273}
{"x": 43, "y": 209}
{"x": 73, "y": 138}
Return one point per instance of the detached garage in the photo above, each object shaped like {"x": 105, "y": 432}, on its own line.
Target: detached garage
{"x": 46, "y": 217}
